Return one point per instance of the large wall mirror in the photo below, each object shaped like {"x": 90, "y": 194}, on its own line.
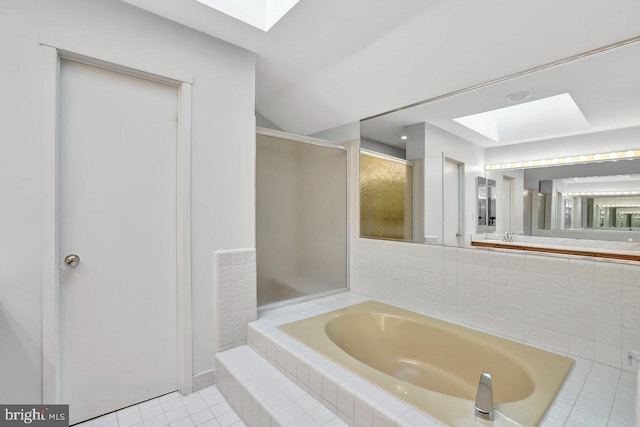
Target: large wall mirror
{"x": 552, "y": 152}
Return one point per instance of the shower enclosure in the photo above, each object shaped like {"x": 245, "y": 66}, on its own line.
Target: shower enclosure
{"x": 301, "y": 217}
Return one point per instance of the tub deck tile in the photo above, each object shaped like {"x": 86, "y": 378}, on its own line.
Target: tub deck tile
{"x": 264, "y": 396}
{"x": 415, "y": 418}
{"x": 594, "y": 394}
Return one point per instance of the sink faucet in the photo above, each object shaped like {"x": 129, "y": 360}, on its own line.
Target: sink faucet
{"x": 508, "y": 237}
{"x": 484, "y": 398}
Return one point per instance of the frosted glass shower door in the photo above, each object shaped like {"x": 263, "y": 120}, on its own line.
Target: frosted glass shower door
{"x": 301, "y": 219}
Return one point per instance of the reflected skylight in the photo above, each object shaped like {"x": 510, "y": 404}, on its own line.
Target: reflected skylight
{"x": 262, "y": 14}
{"x": 537, "y": 119}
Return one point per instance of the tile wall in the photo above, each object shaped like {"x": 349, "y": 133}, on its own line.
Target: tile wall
{"x": 204, "y": 379}
{"x": 235, "y": 296}
{"x": 573, "y": 306}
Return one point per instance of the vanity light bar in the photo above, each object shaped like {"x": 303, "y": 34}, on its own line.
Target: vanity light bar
{"x": 569, "y": 160}
{"x": 626, "y": 213}
{"x": 604, "y": 193}
{"x": 619, "y": 206}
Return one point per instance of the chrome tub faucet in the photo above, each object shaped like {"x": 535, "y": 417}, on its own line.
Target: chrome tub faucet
{"x": 484, "y": 398}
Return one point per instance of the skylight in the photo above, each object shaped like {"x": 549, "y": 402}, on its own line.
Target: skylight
{"x": 537, "y": 119}
{"x": 262, "y": 14}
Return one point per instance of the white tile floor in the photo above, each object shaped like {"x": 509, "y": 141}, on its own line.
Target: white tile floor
{"x": 206, "y": 408}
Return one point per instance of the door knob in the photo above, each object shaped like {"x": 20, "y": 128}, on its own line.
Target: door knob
{"x": 72, "y": 260}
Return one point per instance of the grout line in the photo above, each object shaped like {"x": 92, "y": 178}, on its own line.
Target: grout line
{"x": 164, "y": 412}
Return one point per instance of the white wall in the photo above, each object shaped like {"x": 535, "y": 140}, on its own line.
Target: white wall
{"x": 415, "y": 146}
{"x": 343, "y": 133}
{"x": 381, "y": 147}
{"x": 222, "y": 168}
{"x": 439, "y": 143}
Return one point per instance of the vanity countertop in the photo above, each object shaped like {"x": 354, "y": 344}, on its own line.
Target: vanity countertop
{"x": 626, "y": 254}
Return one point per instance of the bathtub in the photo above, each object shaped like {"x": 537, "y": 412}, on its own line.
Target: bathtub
{"x": 435, "y": 365}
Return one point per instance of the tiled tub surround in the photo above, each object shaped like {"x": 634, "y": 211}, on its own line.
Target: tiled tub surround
{"x": 308, "y": 375}
{"x": 433, "y": 365}
{"x": 264, "y": 396}
{"x": 573, "y": 306}
{"x": 593, "y": 395}
{"x": 235, "y": 296}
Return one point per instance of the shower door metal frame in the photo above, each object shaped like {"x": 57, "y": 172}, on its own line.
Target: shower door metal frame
{"x": 326, "y": 144}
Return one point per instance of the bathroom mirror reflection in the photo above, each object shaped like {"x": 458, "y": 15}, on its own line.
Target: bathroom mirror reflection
{"x": 560, "y": 144}
{"x": 592, "y": 201}
{"x": 486, "y": 205}
{"x": 386, "y": 197}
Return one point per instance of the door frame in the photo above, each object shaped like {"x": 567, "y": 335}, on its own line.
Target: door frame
{"x": 508, "y": 187}
{"x": 461, "y": 195}
{"x": 51, "y": 328}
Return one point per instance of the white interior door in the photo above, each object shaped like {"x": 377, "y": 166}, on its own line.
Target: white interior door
{"x": 451, "y": 227}
{"x": 118, "y": 309}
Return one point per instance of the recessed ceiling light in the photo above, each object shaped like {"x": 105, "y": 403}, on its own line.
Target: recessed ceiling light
{"x": 537, "y": 119}
{"x": 518, "y": 96}
{"x": 403, "y": 137}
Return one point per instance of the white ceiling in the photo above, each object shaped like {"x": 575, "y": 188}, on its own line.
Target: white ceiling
{"x": 331, "y": 62}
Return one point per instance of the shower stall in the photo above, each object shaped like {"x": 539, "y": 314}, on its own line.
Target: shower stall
{"x": 301, "y": 216}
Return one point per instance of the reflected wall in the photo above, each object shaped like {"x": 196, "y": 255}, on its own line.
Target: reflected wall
{"x": 301, "y": 219}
